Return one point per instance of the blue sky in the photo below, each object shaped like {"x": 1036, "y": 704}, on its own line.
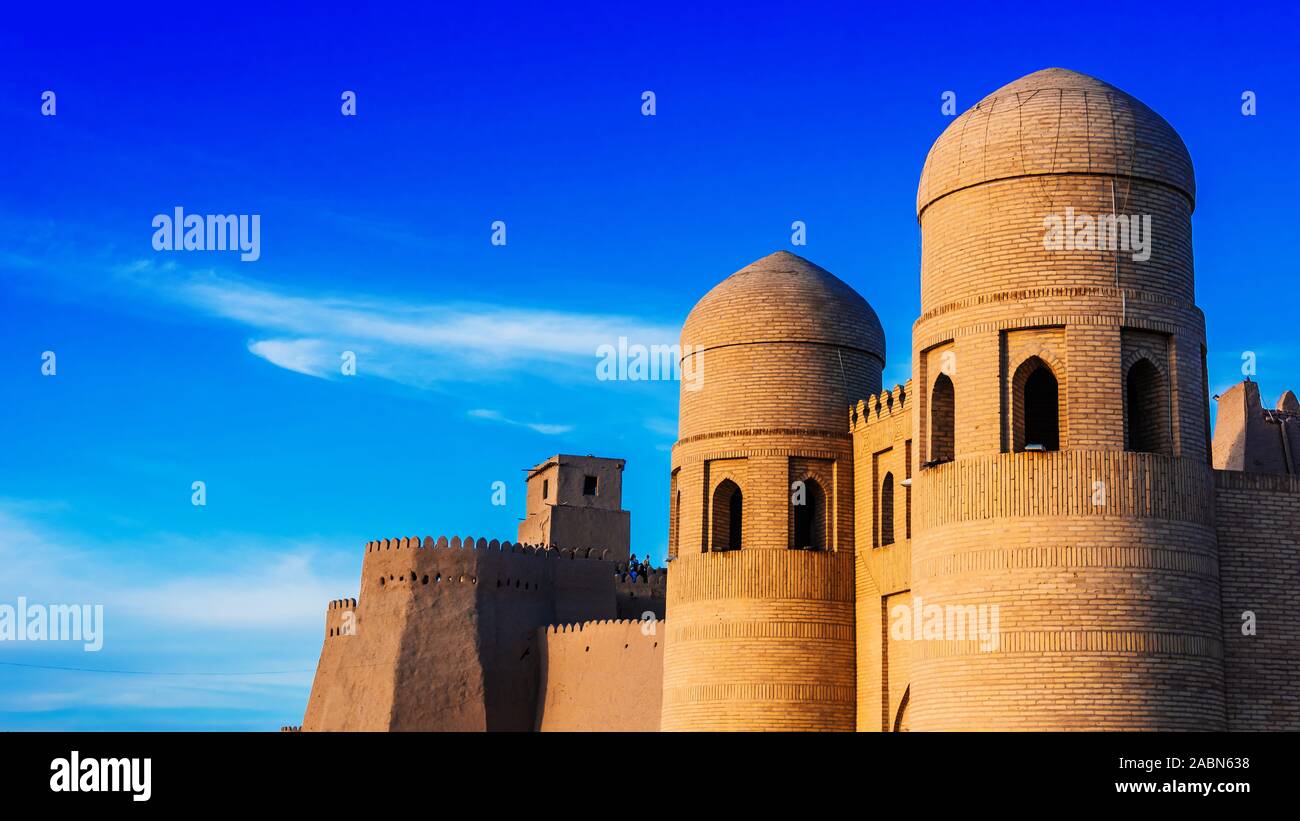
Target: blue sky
{"x": 474, "y": 361}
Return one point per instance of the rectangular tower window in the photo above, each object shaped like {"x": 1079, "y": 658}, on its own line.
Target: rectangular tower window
{"x": 588, "y": 485}
{"x": 546, "y": 488}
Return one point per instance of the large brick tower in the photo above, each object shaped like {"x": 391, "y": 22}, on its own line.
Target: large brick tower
{"x": 761, "y": 586}
{"x": 1061, "y": 463}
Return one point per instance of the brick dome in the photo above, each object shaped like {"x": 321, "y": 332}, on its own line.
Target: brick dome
{"x": 1055, "y": 121}
{"x": 784, "y": 298}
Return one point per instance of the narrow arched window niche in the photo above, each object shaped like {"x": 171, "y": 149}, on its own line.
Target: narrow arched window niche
{"x": 728, "y": 514}
{"x": 808, "y": 506}
{"x": 1146, "y": 409}
{"x": 943, "y": 422}
{"x": 1035, "y": 407}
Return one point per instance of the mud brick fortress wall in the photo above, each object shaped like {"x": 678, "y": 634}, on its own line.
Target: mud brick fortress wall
{"x": 1049, "y": 460}
{"x": 635, "y": 597}
{"x": 445, "y": 634}
{"x": 579, "y": 661}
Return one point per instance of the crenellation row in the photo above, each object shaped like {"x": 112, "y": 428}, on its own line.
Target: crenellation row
{"x": 494, "y": 545}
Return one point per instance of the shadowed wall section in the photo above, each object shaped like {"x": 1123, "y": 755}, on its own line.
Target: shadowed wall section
{"x": 446, "y": 634}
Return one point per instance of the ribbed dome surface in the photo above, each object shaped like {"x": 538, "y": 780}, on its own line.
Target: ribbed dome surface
{"x": 784, "y": 298}
{"x": 1055, "y": 121}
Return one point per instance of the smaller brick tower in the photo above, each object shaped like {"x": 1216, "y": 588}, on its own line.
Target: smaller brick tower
{"x": 761, "y": 585}
{"x": 576, "y": 502}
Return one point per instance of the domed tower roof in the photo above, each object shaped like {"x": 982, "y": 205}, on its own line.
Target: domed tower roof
{"x": 1055, "y": 121}
{"x": 784, "y": 298}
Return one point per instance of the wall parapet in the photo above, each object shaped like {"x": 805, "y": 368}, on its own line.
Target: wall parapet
{"x": 597, "y": 624}
{"x": 485, "y": 545}
{"x": 885, "y": 405}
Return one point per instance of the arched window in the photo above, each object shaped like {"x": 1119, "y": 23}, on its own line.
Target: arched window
{"x": 1146, "y": 412}
{"x": 809, "y": 508}
{"x": 728, "y": 516}
{"x": 1036, "y": 407}
{"x": 887, "y": 510}
{"x": 942, "y": 420}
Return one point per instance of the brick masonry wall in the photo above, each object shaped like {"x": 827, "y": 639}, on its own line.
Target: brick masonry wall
{"x": 1108, "y": 613}
{"x": 989, "y": 288}
{"x": 1258, "y": 518}
{"x": 882, "y": 433}
{"x": 760, "y": 640}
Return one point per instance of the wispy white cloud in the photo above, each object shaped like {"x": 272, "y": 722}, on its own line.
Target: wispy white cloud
{"x": 540, "y": 427}
{"x": 415, "y": 343}
{"x": 196, "y": 633}
{"x": 266, "y": 588}
{"x": 307, "y": 356}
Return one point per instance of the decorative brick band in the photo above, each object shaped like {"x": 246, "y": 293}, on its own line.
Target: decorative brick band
{"x": 699, "y": 457}
{"x": 762, "y": 629}
{"x": 1037, "y": 642}
{"x": 748, "y": 433}
{"x": 1110, "y": 174}
{"x": 801, "y": 693}
{"x": 1061, "y": 483}
{"x": 1067, "y": 292}
{"x": 936, "y": 565}
{"x": 824, "y": 576}
{"x": 688, "y": 351}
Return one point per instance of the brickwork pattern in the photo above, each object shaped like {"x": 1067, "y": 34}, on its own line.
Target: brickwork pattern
{"x": 1259, "y": 553}
{"x": 760, "y": 640}
{"x": 882, "y": 436}
{"x": 1103, "y": 563}
{"x": 788, "y": 347}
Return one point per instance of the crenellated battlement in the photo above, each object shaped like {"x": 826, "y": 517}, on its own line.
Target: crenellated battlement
{"x": 558, "y": 583}
{"x": 340, "y": 618}
{"x": 885, "y": 405}
{"x": 579, "y": 627}
{"x": 494, "y": 545}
